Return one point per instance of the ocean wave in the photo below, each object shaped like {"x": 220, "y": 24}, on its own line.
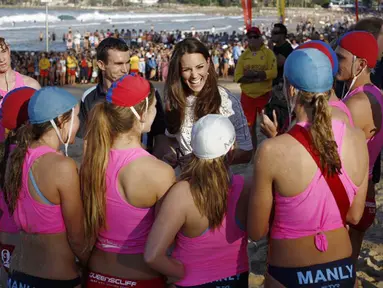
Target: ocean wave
{"x": 223, "y": 28}
{"x": 197, "y": 20}
{"x": 38, "y": 17}
{"x": 51, "y": 26}
{"x": 104, "y": 16}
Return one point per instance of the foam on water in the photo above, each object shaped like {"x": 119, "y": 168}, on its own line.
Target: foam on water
{"x": 39, "y": 17}
{"x": 105, "y": 16}
{"x": 65, "y": 25}
{"x": 197, "y": 20}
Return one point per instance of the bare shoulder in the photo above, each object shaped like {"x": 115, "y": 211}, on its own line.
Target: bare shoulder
{"x": 153, "y": 166}
{"x": 180, "y": 194}
{"x": 357, "y": 100}
{"x": 63, "y": 165}
{"x": 151, "y": 170}
{"x": 356, "y": 135}
{"x": 273, "y": 146}
{"x": 30, "y": 82}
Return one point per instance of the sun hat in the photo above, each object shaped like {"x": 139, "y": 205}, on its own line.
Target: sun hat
{"x": 212, "y": 136}
{"x": 309, "y": 70}
{"x": 254, "y": 30}
{"x": 48, "y": 103}
{"x": 14, "y": 109}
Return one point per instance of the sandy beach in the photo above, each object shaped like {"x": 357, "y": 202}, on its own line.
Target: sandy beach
{"x": 370, "y": 264}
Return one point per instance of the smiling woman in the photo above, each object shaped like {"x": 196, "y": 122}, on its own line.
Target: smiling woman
{"x": 192, "y": 92}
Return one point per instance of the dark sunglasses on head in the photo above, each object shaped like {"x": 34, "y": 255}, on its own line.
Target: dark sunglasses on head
{"x": 253, "y": 36}
{"x": 276, "y": 33}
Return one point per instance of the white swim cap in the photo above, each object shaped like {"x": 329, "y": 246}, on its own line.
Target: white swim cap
{"x": 212, "y": 136}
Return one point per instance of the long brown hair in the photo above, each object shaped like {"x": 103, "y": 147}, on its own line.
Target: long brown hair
{"x": 321, "y": 130}
{"x": 209, "y": 182}
{"x": 176, "y": 91}
{"x": 105, "y": 122}
{"x": 12, "y": 163}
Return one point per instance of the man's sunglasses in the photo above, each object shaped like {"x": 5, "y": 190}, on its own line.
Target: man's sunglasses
{"x": 253, "y": 37}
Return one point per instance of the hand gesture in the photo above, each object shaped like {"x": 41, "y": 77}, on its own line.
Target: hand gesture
{"x": 269, "y": 127}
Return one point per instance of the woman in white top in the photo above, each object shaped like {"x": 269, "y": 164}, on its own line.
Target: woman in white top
{"x": 191, "y": 92}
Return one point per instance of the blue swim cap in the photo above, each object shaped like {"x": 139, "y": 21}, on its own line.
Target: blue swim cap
{"x": 309, "y": 70}
{"x": 48, "y": 103}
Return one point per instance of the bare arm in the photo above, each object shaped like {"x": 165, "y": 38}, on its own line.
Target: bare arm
{"x": 358, "y": 104}
{"x": 72, "y": 207}
{"x": 169, "y": 221}
{"x": 356, "y": 210}
{"x": 261, "y": 196}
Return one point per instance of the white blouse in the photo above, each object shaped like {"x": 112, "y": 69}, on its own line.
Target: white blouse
{"x": 184, "y": 135}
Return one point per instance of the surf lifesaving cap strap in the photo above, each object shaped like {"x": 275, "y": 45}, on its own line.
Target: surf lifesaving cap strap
{"x": 336, "y": 186}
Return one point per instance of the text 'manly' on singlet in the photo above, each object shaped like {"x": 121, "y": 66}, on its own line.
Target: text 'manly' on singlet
{"x": 316, "y": 203}
{"x": 32, "y": 216}
{"x": 215, "y": 254}
{"x": 120, "y": 236}
{"x": 375, "y": 143}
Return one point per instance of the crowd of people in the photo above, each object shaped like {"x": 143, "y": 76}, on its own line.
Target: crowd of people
{"x": 155, "y": 202}
{"x": 150, "y": 51}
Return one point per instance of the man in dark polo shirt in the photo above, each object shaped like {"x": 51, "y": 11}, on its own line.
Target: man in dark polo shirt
{"x": 282, "y": 48}
{"x": 113, "y": 62}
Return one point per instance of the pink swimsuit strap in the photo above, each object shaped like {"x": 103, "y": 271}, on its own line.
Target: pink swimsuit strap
{"x": 341, "y": 106}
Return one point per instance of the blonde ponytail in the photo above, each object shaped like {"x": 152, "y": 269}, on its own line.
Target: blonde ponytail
{"x": 321, "y": 131}
{"x": 93, "y": 169}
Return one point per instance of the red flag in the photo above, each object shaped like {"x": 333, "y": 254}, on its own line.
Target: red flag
{"x": 247, "y": 13}
{"x": 356, "y": 10}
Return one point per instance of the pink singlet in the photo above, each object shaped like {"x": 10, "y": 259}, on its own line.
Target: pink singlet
{"x": 19, "y": 82}
{"x": 123, "y": 236}
{"x": 215, "y": 254}
{"x": 32, "y": 216}
{"x": 316, "y": 203}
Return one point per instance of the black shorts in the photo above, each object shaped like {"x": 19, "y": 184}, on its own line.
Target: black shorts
{"x": 336, "y": 274}
{"x": 19, "y": 279}
{"x": 237, "y": 281}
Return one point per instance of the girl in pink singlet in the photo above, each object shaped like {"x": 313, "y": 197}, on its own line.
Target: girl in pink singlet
{"x": 14, "y": 115}
{"x": 294, "y": 196}
{"x": 204, "y": 215}
{"x": 121, "y": 184}
{"x": 43, "y": 195}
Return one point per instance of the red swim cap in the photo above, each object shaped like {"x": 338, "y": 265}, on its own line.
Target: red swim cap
{"x": 361, "y": 44}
